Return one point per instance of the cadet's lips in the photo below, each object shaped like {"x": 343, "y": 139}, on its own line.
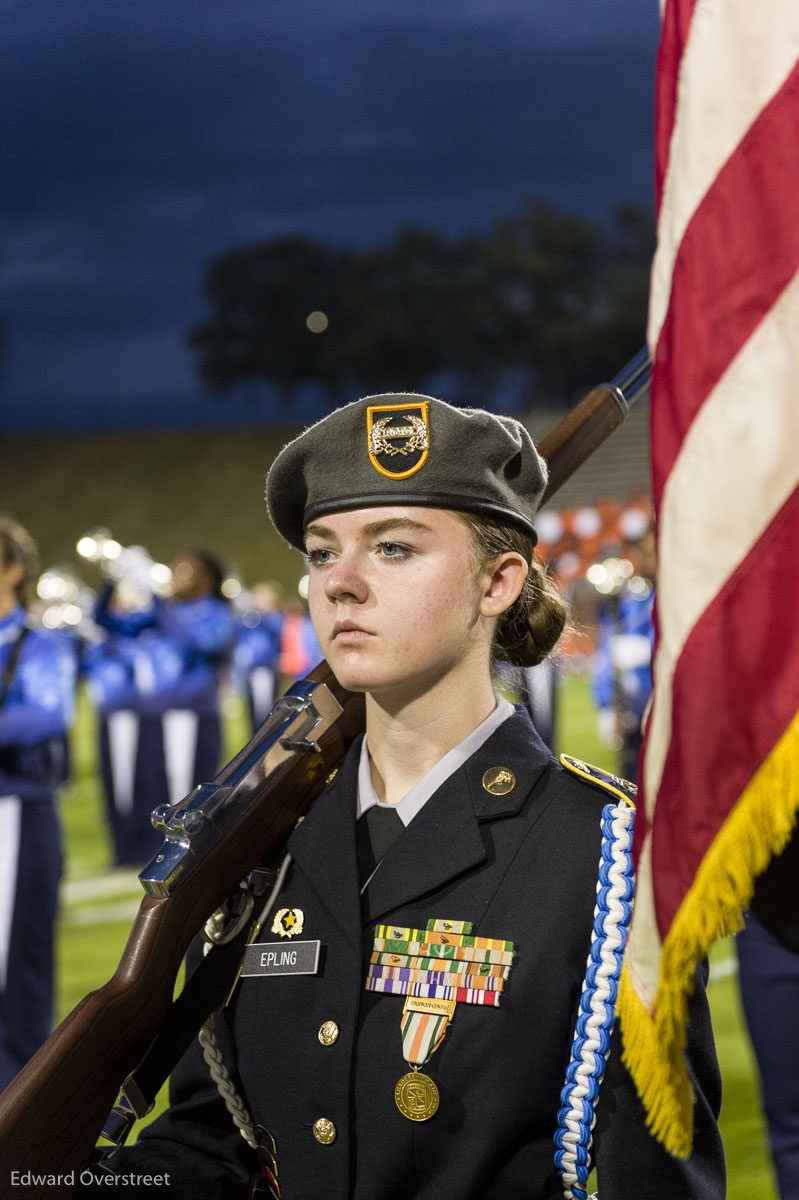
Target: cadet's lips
{"x": 348, "y": 631}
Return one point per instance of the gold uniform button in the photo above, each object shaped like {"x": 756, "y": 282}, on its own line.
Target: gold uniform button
{"x": 324, "y": 1131}
{"x": 328, "y": 1033}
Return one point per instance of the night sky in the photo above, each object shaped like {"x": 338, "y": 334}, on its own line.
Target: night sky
{"x": 142, "y": 139}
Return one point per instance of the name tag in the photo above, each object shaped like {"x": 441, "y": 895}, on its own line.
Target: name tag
{"x": 277, "y": 958}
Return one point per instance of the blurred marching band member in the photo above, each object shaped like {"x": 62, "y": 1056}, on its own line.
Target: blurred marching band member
{"x": 535, "y": 688}
{"x": 255, "y": 659}
{"x": 539, "y": 696}
{"x": 108, "y": 666}
{"x": 299, "y": 648}
{"x": 37, "y": 684}
{"x": 769, "y": 983}
{"x": 180, "y": 645}
{"x": 622, "y": 671}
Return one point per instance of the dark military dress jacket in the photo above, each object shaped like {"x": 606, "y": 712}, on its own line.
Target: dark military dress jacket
{"x": 317, "y": 1058}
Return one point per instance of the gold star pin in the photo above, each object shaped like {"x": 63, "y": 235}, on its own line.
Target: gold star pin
{"x": 288, "y": 922}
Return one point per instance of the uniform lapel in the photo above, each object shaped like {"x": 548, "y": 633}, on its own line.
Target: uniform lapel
{"x": 444, "y": 840}
{"x": 323, "y": 846}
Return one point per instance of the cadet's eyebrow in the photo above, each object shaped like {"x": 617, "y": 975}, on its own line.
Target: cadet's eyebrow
{"x": 373, "y": 529}
{"x": 320, "y": 531}
{"x": 377, "y": 527}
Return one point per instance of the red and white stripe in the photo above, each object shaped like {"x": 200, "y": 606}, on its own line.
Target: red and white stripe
{"x": 724, "y": 338}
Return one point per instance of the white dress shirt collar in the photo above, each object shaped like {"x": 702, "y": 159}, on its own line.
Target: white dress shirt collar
{"x": 414, "y": 800}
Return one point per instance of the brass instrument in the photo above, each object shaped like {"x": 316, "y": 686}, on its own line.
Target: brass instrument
{"x": 64, "y": 601}
{"x": 136, "y": 574}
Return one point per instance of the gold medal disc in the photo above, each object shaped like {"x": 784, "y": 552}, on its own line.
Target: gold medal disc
{"x": 416, "y": 1096}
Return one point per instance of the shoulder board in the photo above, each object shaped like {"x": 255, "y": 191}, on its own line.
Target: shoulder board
{"x": 622, "y": 789}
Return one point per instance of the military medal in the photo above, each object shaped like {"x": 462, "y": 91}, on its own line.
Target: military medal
{"x": 434, "y": 969}
{"x": 424, "y": 1025}
{"x": 416, "y": 1096}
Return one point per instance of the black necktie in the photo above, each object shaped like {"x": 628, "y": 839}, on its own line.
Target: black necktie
{"x": 379, "y": 826}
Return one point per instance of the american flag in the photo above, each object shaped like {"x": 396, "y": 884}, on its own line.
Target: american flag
{"x": 720, "y": 770}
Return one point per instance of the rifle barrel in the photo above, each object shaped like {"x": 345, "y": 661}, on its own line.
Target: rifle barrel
{"x": 585, "y": 428}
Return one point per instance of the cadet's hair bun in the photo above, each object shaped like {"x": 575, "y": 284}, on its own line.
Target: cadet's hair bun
{"x": 529, "y": 630}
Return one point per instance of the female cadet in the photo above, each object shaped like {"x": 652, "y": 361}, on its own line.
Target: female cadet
{"x": 37, "y": 683}
{"x": 449, "y": 832}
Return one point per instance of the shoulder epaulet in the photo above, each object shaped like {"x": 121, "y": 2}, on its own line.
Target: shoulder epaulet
{"x": 621, "y": 788}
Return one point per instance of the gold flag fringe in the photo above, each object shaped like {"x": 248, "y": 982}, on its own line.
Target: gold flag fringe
{"x": 757, "y": 828}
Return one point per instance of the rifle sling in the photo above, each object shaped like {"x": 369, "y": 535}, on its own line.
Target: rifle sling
{"x": 202, "y": 994}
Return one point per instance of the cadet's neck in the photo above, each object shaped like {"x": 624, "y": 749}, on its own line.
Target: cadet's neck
{"x": 408, "y": 737}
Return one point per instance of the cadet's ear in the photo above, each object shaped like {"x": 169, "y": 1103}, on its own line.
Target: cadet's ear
{"x": 503, "y": 582}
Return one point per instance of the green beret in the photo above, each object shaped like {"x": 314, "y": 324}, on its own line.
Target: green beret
{"x": 406, "y": 449}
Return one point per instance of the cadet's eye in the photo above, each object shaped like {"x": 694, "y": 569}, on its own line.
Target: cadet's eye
{"x": 393, "y": 550}
{"x": 318, "y": 557}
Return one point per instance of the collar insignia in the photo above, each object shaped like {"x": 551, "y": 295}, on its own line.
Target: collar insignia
{"x": 398, "y": 438}
{"x": 499, "y": 781}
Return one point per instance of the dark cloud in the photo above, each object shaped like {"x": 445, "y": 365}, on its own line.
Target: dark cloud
{"x": 142, "y": 139}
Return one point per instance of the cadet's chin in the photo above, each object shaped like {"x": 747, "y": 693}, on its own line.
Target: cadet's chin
{"x": 358, "y": 677}
{"x": 348, "y": 674}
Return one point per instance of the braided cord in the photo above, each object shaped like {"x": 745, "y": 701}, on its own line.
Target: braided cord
{"x": 597, "y": 1014}
{"x": 256, "y": 1136}
{"x": 219, "y": 1073}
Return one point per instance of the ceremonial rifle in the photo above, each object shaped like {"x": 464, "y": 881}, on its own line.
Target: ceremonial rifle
{"x": 52, "y": 1114}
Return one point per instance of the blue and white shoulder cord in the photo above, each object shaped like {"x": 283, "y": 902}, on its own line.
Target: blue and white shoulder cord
{"x": 598, "y": 1001}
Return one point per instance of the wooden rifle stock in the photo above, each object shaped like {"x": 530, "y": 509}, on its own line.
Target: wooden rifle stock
{"x": 52, "y": 1114}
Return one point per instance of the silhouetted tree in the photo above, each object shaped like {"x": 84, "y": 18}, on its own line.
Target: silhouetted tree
{"x": 261, "y": 298}
{"x": 552, "y": 300}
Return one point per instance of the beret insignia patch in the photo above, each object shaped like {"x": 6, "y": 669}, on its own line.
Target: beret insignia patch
{"x": 398, "y": 438}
